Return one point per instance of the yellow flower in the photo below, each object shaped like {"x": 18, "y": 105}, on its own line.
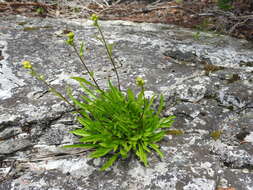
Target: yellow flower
{"x": 27, "y": 64}
{"x": 71, "y": 35}
{"x": 139, "y": 81}
{"x": 70, "y": 39}
{"x": 94, "y": 17}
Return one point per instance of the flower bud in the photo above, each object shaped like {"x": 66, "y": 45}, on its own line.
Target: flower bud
{"x": 71, "y": 35}
{"x": 139, "y": 81}
{"x": 94, "y": 17}
{"x": 27, "y": 64}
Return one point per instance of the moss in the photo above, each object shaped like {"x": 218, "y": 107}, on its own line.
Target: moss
{"x": 211, "y": 68}
{"x": 210, "y": 96}
{"x": 246, "y": 64}
{"x": 231, "y": 108}
{"x": 216, "y": 134}
{"x": 234, "y": 78}
{"x": 175, "y": 132}
{"x": 22, "y": 23}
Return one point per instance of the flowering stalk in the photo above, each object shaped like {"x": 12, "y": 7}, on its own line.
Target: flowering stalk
{"x": 108, "y": 51}
{"x": 140, "y": 82}
{"x": 71, "y": 42}
{"x": 27, "y": 65}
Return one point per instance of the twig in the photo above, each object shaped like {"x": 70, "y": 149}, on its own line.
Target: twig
{"x": 36, "y": 4}
{"x": 107, "y": 4}
{"x": 236, "y": 25}
{"x": 11, "y": 168}
{"x": 117, "y": 2}
{"x": 86, "y": 8}
{"x": 99, "y": 4}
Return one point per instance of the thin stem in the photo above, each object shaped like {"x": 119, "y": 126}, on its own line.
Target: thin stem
{"x": 144, "y": 99}
{"x": 53, "y": 89}
{"x": 86, "y": 68}
{"x": 109, "y": 54}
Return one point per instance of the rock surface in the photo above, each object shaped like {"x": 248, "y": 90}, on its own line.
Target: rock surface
{"x": 207, "y": 83}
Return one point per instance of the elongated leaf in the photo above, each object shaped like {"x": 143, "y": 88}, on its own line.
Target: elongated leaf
{"x": 135, "y": 138}
{"x": 80, "y": 146}
{"x": 145, "y": 148}
{"x": 115, "y": 91}
{"x": 81, "y": 49}
{"x": 142, "y": 155}
{"x": 100, "y": 152}
{"x": 126, "y": 146}
{"x": 161, "y": 105}
{"x": 80, "y": 79}
{"x": 80, "y": 132}
{"x": 90, "y": 93}
{"x": 140, "y": 98}
{"x": 84, "y": 114}
{"x": 157, "y": 137}
{"x": 84, "y": 121}
{"x": 167, "y": 122}
{"x": 123, "y": 153}
{"x": 76, "y": 102}
{"x": 109, "y": 162}
{"x": 87, "y": 99}
{"x": 110, "y": 47}
{"x": 130, "y": 95}
{"x": 93, "y": 138}
{"x": 80, "y": 104}
{"x": 156, "y": 148}
{"x": 147, "y": 107}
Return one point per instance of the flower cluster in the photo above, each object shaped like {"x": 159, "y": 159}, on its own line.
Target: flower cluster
{"x": 139, "y": 81}
{"x": 70, "y": 39}
{"x": 94, "y": 18}
{"x": 27, "y": 64}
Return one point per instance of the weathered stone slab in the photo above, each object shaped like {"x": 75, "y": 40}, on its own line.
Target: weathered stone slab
{"x": 207, "y": 83}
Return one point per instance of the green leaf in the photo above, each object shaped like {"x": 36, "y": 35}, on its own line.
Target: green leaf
{"x": 80, "y": 104}
{"x": 100, "y": 152}
{"x": 84, "y": 121}
{"x": 76, "y": 102}
{"x": 142, "y": 155}
{"x": 161, "y": 105}
{"x": 93, "y": 138}
{"x": 140, "y": 98}
{"x": 147, "y": 107}
{"x": 109, "y": 162}
{"x": 123, "y": 153}
{"x": 81, "y": 49}
{"x": 80, "y": 146}
{"x": 167, "y": 121}
{"x": 90, "y": 93}
{"x": 80, "y": 132}
{"x": 135, "y": 138}
{"x": 80, "y": 79}
{"x": 86, "y": 98}
{"x": 110, "y": 47}
{"x": 157, "y": 137}
{"x": 144, "y": 146}
{"x": 156, "y": 148}
{"x": 130, "y": 95}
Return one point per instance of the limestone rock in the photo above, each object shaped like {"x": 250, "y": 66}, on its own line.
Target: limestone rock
{"x": 207, "y": 84}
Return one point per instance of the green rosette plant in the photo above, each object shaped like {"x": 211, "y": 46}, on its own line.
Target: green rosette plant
{"x": 114, "y": 123}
